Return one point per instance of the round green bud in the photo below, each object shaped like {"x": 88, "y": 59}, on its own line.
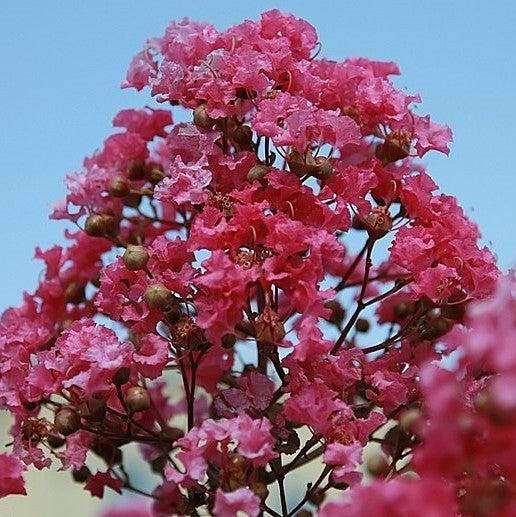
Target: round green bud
{"x": 135, "y": 257}
{"x": 158, "y": 296}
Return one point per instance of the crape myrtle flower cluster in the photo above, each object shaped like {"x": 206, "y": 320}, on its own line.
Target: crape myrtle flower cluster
{"x": 210, "y": 309}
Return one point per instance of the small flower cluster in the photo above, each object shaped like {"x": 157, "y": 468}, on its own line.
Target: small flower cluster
{"x": 213, "y": 254}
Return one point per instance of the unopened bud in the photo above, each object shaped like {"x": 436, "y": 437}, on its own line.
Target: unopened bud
{"x": 133, "y": 200}
{"x": 93, "y": 409}
{"x": 243, "y": 135}
{"x": 136, "y": 170}
{"x": 378, "y": 222}
{"x": 357, "y": 223}
{"x": 402, "y": 310}
{"x": 121, "y": 376}
{"x": 391, "y": 151}
{"x": 435, "y": 327}
{"x": 304, "y": 512}
{"x": 74, "y": 293}
{"x": 81, "y": 475}
{"x": 158, "y": 464}
{"x": 155, "y": 175}
{"x": 260, "y": 489}
{"x": 337, "y": 312}
{"x": 98, "y": 225}
{"x": 157, "y": 296}
{"x": 257, "y": 172}
{"x": 377, "y": 465}
{"x": 324, "y": 168}
{"x": 119, "y": 186}
{"x": 135, "y": 257}
{"x": 317, "y": 497}
{"x": 171, "y": 434}
{"x": 362, "y": 325}
{"x": 486, "y": 404}
{"x": 95, "y": 225}
{"x": 454, "y": 311}
{"x": 228, "y": 340}
{"x": 269, "y": 327}
{"x": 300, "y": 164}
{"x": 107, "y": 450}
{"x": 409, "y": 420}
{"x": 55, "y": 441}
{"x": 138, "y": 399}
{"x": 67, "y": 421}
{"x": 173, "y": 315}
{"x": 201, "y": 117}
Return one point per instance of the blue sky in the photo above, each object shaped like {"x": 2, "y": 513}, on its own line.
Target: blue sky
{"x": 63, "y": 62}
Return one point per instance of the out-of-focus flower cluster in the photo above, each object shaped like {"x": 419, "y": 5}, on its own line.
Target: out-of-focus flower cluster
{"x": 221, "y": 254}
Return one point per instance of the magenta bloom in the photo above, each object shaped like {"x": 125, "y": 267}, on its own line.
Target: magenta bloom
{"x": 273, "y": 281}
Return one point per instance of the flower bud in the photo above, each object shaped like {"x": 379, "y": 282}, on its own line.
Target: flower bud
{"x": 98, "y": 225}
{"x": 260, "y": 489}
{"x": 155, "y": 175}
{"x": 243, "y": 136}
{"x": 228, "y": 340}
{"x": 486, "y": 404}
{"x": 337, "y": 312}
{"x": 357, "y": 223}
{"x": 391, "y": 151}
{"x": 67, "y": 421}
{"x": 74, "y": 293}
{"x": 454, "y": 311}
{"x": 158, "y": 464}
{"x": 95, "y": 280}
{"x": 93, "y": 409}
{"x": 402, "y": 310}
{"x": 201, "y": 117}
{"x": 434, "y": 326}
{"x": 136, "y": 170}
{"x": 324, "y": 168}
{"x": 304, "y": 512}
{"x": 119, "y": 186}
{"x": 362, "y": 325}
{"x": 55, "y": 441}
{"x": 377, "y": 465}
{"x": 138, "y": 399}
{"x": 157, "y": 296}
{"x": 173, "y": 315}
{"x": 257, "y": 172}
{"x": 81, "y": 475}
{"x": 95, "y": 225}
{"x": 133, "y": 200}
{"x": 409, "y": 420}
{"x": 317, "y": 498}
{"x": 269, "y": 327}
{"x": 300, "y": 164}
{"x": 107, "y": 450}
{"x": 135, "y": 257}
{"x": 378, "y": 222}
{"x": 171, "y": 434}
{"x": 121, "y": 376}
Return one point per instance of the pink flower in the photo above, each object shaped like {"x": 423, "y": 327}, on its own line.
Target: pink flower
{"x": 87, "y": 356}
{"x": 314, "y": 405}
{"x": 99, "y": 481}
{"x": 152, "y": 356}
{"x": 186, "y": 184}
{"x": 254, "y": 438}
{"x": 397, "y": 498}
{"x": 148, "y": 122}
{"x": 130, "y": 509}
{"x": 11, "y": 480}
{"x": 229, "y": 504}
{"x": 346, "y": 458}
